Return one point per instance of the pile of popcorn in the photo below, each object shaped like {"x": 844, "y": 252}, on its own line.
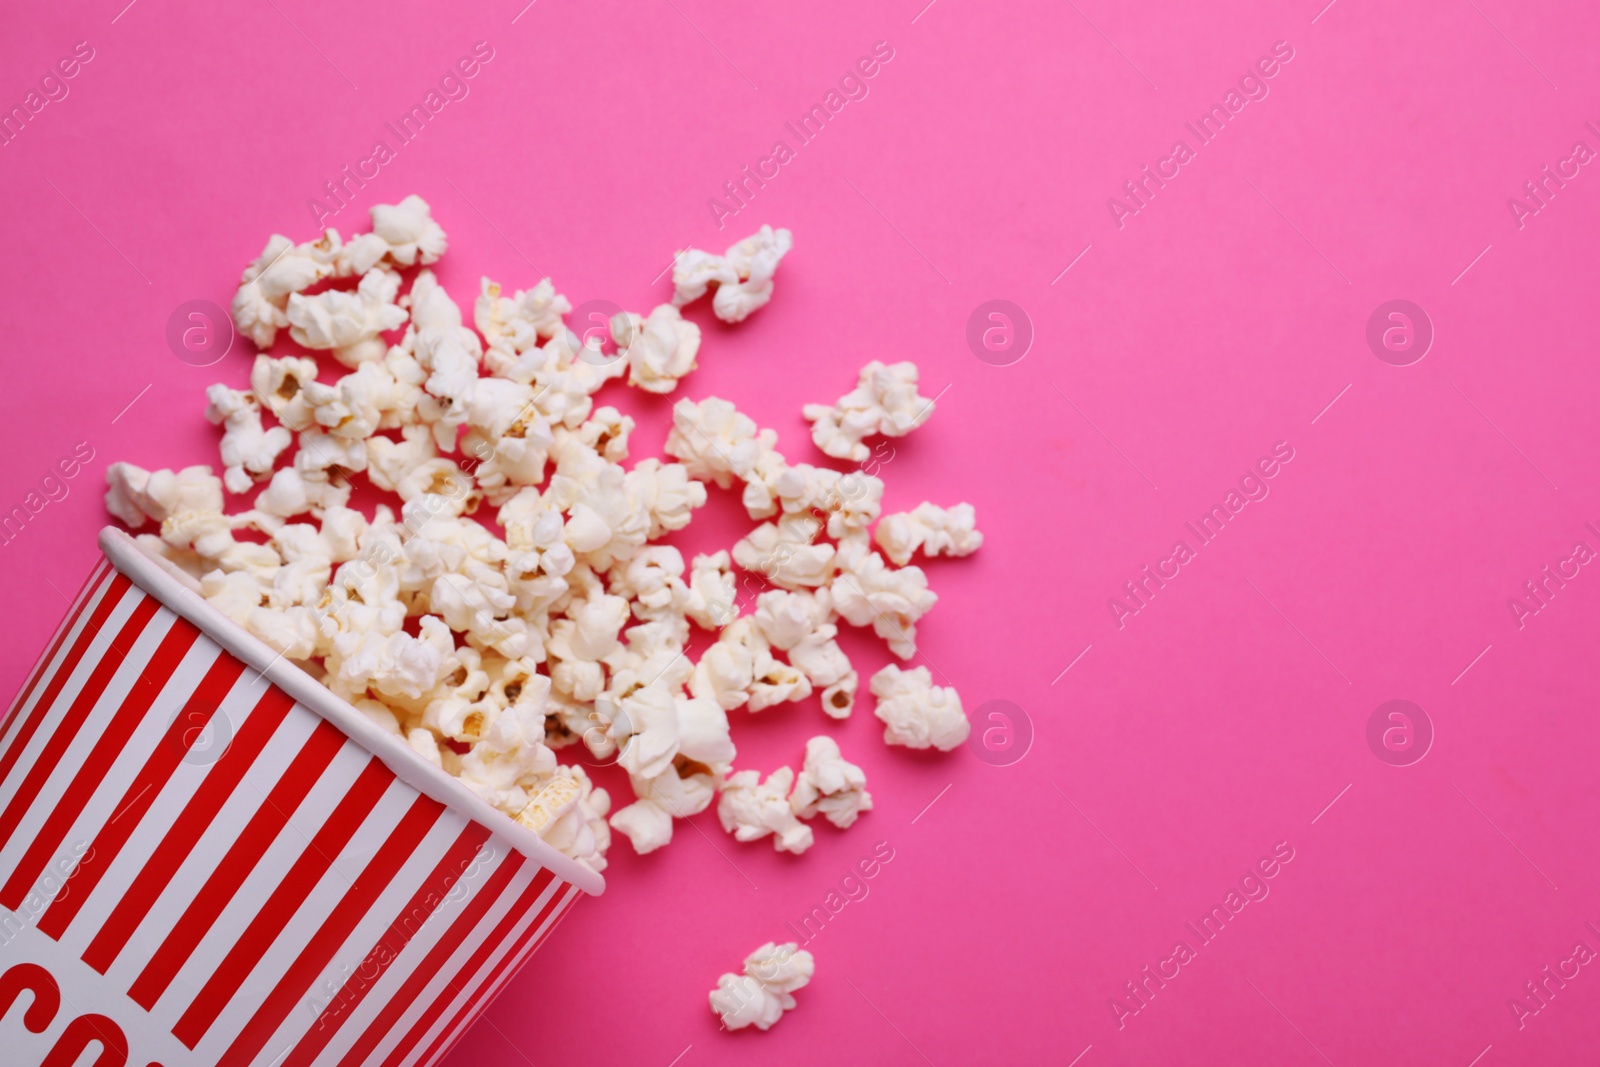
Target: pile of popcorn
{"x": 487, "y": 654}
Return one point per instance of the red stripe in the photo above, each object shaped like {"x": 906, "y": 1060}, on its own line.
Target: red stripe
{"x": 378, "y": 875}
{"x": 221, "y": 780}
{"x": 72, "y": 722}
{"x": 572, "y": 898}
{"x": 506, "y": 969}
{"x": 430, "y": 966}
{"x": 103, "y": 608}
{"x": 85, "y": 594}
{"x": 484, "y": 995}
{"x": 290, "y": 893}
{"x": 241, "y": 859}
{"x": 152, "y": 778}
{"x": 416, "y": 913}
{"x": 104, "y": 751}
{"x": 86, "y": 636}
{"x": 497, "y": 936}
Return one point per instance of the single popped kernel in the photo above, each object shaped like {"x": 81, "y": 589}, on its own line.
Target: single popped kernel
{"x": 915, "y": 712}
{"x": 931, "y": 530}
{"x": 751, "y": 809}
{"x": 884, "y": 402}
{"x": 743, "y": 276}
{"x": 829, "y": 785}
{"x": 760, "y": 996}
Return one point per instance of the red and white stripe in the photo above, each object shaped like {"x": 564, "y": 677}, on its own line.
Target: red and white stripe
{"x": 287, "y": 900}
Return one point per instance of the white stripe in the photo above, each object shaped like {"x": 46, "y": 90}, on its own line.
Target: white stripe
{"x": 557, "y": 914}
{"x": 90, "y": 738}
{"x": 439, "y": 984}
{"x": 470, "y": 982}
{"x": 105, "y": 803}
{"x": 369, "y": 930}
{"x": 106, "y": 704}
{"x": 90, "y": 599}
{"x": 356, "y": 1023}
{"x": 208, "y": 851}
{"x": 92, "y": 655}
{"x": 488, "y": 996}
{"x": 308, "y": 919}
{"x": 274, "y": 864}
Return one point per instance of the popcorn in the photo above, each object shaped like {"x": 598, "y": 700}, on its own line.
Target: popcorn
{"x": 786, "y": 619}
{"x": 867, "y": 591}
{"x": 830, "y": 786}
{"x": 660, "y": 349}
{"x": 293, "y": 491}
{"x": 578, "y": 827}
{"x": 509, "y": 758}
{"x": 714, "y": 441}
{"x": 884, "y": 401}
{"x": 665, "y": 493}
{"x": 410, "y": 233}
{"x": 288, "y": 388}
{"x": 512, "y": 325}
{"x": 765, "y": 990}
{"x": 848, "y": 502}
{"x": 713, "y": 593}
{"x": 827, "y": 668}
{"x": 137, "y": 496}
{"x": 391, "y": 462}
{"x": 751, "y": 809}
{"x": 282, "y": 270}
{"x": 727, "y": 669}
{"x": 487, "y": 648}
{"x": 915, "y": 712}
{"x": 647, "y": 822}
{"x": 785, "y": 553}
{"x": 774, "y": 682}
{"x": 652, "y": 581}
{"x": 349, "y": 323}
{"x": 248, "y": 450}
{"x": 743, "y": 276}
{"x": 394, "y": 665}
{"x": 931, "y": 529}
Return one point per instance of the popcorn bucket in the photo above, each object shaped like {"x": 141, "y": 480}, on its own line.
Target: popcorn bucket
{"x": 208, "y": 860}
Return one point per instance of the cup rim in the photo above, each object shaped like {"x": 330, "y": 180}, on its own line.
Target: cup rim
{"x": 173, "y": 589}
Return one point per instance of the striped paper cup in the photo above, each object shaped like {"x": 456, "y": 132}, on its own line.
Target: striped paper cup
{"x": 208, "y": 860}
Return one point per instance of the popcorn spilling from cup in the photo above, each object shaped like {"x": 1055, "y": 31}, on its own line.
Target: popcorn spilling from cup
{"x": 487, "y": 655}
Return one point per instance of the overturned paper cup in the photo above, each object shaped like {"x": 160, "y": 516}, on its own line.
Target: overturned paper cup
{"x": 209, "y": 860}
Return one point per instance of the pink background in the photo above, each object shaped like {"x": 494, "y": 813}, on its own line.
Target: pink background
{"x": 1223, "y": 318}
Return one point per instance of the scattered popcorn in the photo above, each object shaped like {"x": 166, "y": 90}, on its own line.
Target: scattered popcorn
{"x": 282, "y": 270}
{"x": 512, "y": 325}
{"x": 765, "y": 990}
{"x": 647, "y": 822}
{"x": 915, "y": 712}
{"x": 349, "y": 322}
{"x": 136, "y": 496}
{"x": 930, "y": 529}
{"x": 408, "y": 231}
{"x": 659, "y": 349}
{"x": 487, "y": 652}
{"x": 884, "y": 401}
{"x": 248, "y": 450}
{"x": 830, "y": 786}
{"x": 785, "y": 554}
{"x": 743, "y": 276}
{"x": 750, "y": 809}
{"x": 715, "y": 442}
{"x": 868, "y": 592}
